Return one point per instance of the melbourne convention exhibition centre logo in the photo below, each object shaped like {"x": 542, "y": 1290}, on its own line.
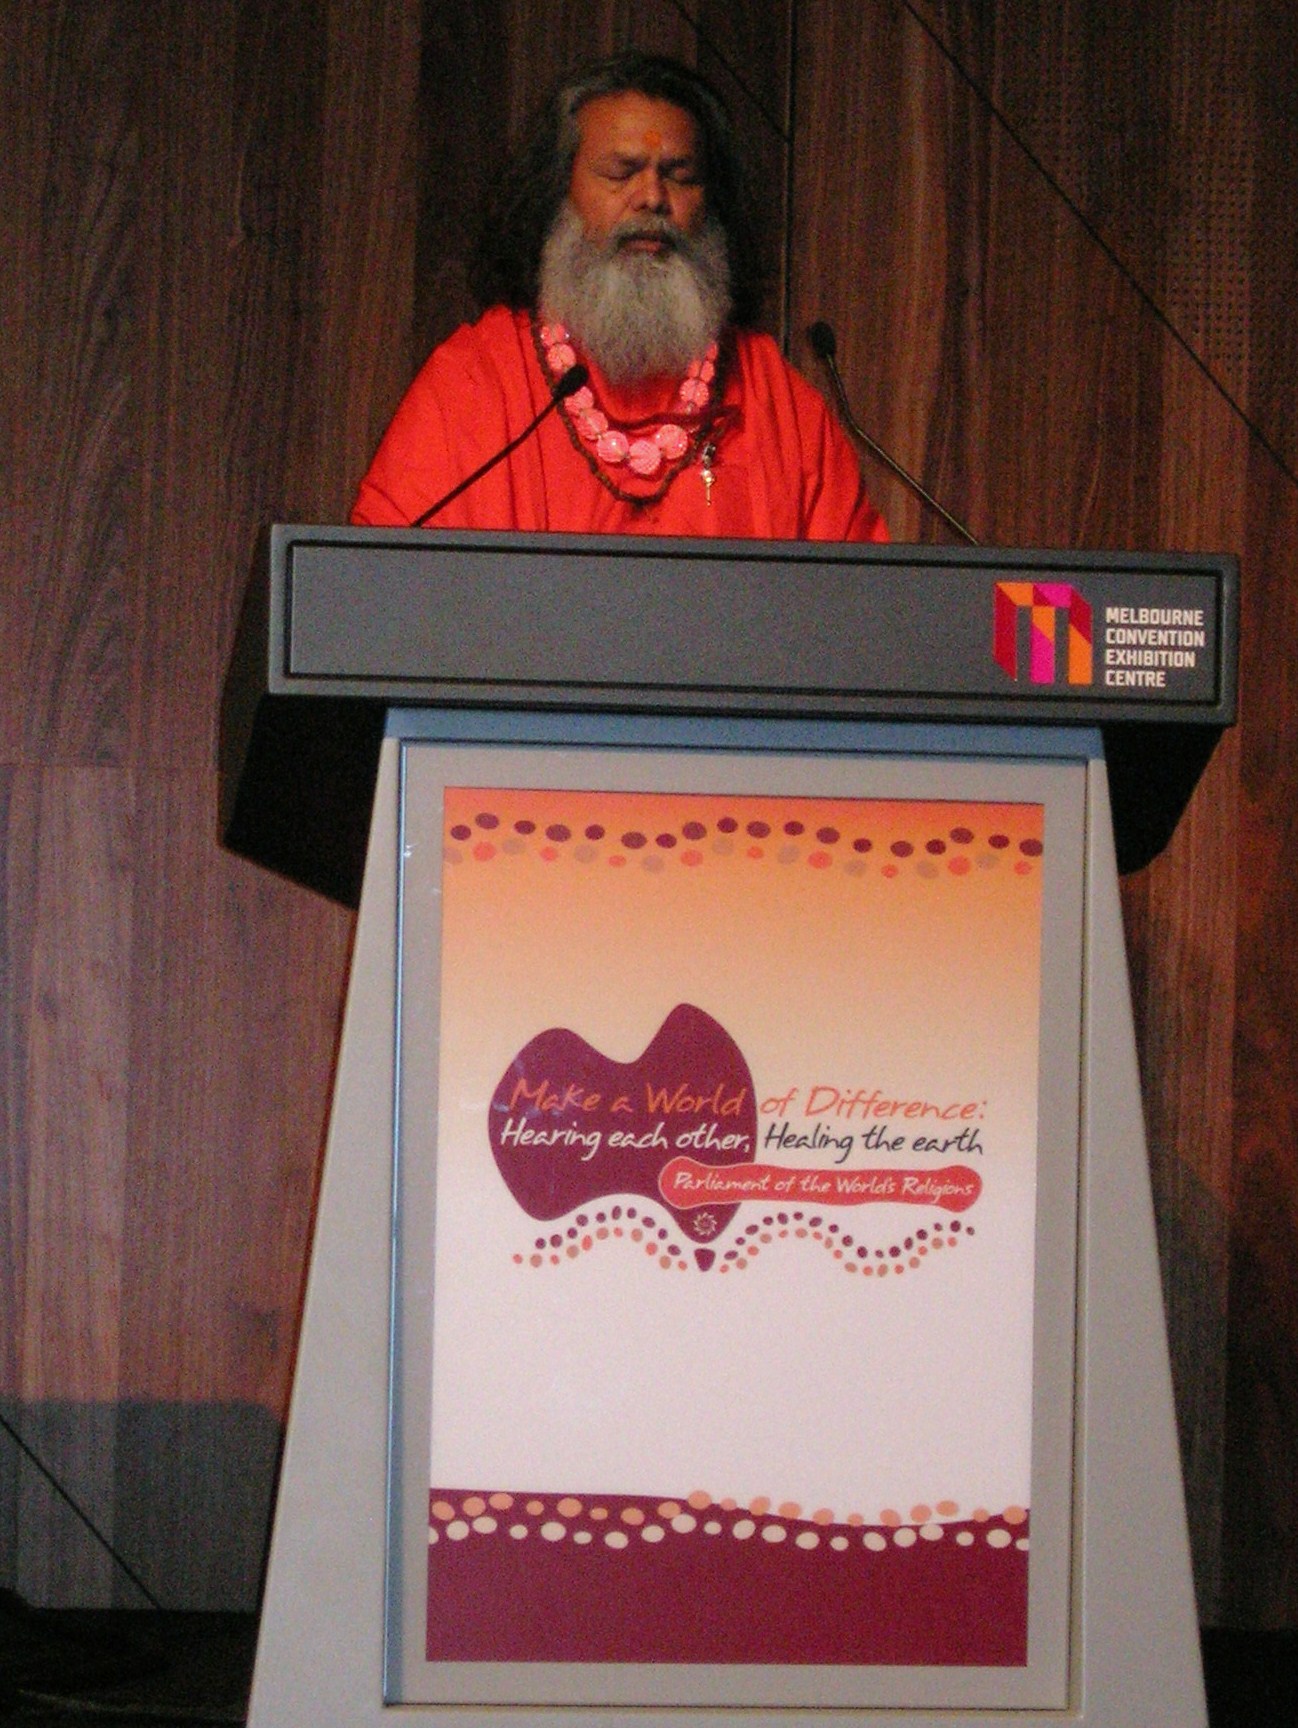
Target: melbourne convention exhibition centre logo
{"x": 1145, "y": 650}
{"x": 1052, "y": 609}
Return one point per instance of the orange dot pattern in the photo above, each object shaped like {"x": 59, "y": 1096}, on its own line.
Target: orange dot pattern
{"x": 857, "y": 1251}
{"x": 617, "y": 1523}
{"x": 956, "y": 852}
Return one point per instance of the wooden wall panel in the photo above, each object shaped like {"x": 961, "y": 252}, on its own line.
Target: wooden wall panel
{"x": 460, "y": 144}
{"x": 1174, "y": 132}
{"x": 235, "y": 997}
{"x": 19, "y": 836}
{"x": 1180, "y": 918}
{"x": 1262, "y": 1405}
{"x": 357, "y": 317}
{"x": 70, "y": 188}
{"x": 22, "y": 91}
{"x": 1273, "y": 257}
{"x": 78, "y": 1053}
{"x": 228, "y": 119}
{"x": 881, "y": 255}
{"x": 1181, "y": 937}
{"x": 1261, "y": 1503}
{"x": 74, "y": 238}
{"x": 213, "y": 217}
{"x": 186, "y": 244}
{"x": 78, "y": 1080}
{"x": 19, "y": 830}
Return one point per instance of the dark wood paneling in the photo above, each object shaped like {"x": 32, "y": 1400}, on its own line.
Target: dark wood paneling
{"x": 212, "y": 211}
{"x": 236, "y": 978}
{"x": 22, "y": 92}
{"x": 77, "y": 1085}
{"x": 1173, "y": 132}
{"x": 461, "y": 144}
{"x": 18, "y": 831}
{"x": 358, "y": 322}
{"x": 71, "y": 204}
{"x": 78, "y": 1055}
{"x": 1181, "y": 943}
{"x": 1262, "y": 1406}
{"x": 229, "y": 124}
{"x": 1272, "y": 351}
{"x": 879, "y": 253}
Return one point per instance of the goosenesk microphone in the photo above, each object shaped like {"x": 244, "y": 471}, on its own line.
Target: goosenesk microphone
{"x": 825, "y": 347}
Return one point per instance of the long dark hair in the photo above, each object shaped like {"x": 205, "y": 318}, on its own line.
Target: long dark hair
{"x": 535, "y": 181}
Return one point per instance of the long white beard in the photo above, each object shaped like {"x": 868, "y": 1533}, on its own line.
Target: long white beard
{"x": 636, "y": 314}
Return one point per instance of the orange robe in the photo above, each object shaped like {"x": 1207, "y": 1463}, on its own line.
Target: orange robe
{"x": 783, "y": 468}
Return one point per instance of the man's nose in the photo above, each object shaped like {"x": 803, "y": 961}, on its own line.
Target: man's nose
{"x": 652, "y": 192}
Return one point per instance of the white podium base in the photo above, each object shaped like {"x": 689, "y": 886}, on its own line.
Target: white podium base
{"x": 1133, "y": 1653}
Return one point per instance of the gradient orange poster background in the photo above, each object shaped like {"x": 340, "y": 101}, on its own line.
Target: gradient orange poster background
{"x": 819, "y": 1357}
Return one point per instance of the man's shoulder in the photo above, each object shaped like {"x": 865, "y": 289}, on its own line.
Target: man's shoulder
{"x": 470, "y": 390}
{"x": 761, "y": 359}
{"x": 500, "y": 333}
{"x": 756, "y": 348}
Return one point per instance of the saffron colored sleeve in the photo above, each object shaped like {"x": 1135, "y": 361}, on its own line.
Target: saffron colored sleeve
{"x": 809, "y": 483}
{"x": 836, "y": 504}
{"x": 415, "y": 463}
{"x": 455, "y": 415}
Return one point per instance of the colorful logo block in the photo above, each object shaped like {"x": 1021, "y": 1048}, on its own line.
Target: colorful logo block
{"x": 1043, "y": 601}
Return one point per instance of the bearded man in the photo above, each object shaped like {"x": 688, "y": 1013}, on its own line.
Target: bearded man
{"x": 618, "y": 240}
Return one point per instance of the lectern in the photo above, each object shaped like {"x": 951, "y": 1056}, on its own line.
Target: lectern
{"x": 734, "y": 1286}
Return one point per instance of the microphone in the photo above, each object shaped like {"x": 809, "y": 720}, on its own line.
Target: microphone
{"x": 825, "y": 347}
{"x": 567, "y": 385}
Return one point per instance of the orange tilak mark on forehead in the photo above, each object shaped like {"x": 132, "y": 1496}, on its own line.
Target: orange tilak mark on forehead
{"x": 653, "y": 140}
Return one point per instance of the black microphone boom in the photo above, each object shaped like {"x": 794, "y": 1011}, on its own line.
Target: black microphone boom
{"x": 825, "y": 347}
{"x": 565, "y": 386}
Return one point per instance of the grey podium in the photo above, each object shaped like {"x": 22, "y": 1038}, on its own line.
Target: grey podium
{"x": 825, "y": 762}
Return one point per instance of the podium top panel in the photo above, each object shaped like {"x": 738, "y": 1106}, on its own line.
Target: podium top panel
{"x": 715, "y": 626}
{"x": 342, "y": 623}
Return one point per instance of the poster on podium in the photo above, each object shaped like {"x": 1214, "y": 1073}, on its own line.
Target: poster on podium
{"x": 730, "y": 1315}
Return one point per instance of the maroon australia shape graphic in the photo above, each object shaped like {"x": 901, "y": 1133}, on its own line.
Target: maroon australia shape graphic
{"x": 570, "y": 1126}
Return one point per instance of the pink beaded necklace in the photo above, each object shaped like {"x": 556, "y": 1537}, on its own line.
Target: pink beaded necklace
{"x": 659, "y": 443}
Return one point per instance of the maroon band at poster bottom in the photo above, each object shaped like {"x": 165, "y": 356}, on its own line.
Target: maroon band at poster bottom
{"x": 519, "y": 1578}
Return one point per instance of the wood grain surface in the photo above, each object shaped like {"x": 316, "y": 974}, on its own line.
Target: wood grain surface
{"x": 1057, "y": 244}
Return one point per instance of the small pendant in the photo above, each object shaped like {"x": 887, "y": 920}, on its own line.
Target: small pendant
{"x": 709, "y": 478}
